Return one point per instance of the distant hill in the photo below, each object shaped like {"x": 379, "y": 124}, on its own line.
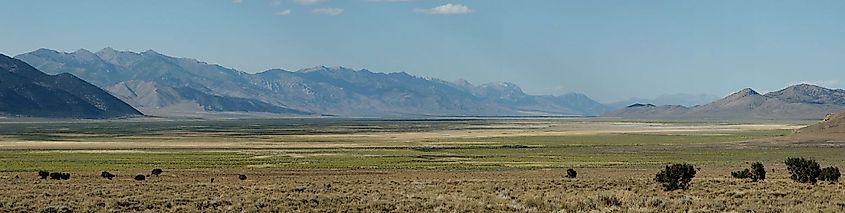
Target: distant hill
{"x": 795, "y": 102}
{"x": 833, "y": 126}
{"x": 687, "y": 100}
{"x": 26, "y": 91}
{"x": 160, "y": 84}
{"x": 828, "y": 132}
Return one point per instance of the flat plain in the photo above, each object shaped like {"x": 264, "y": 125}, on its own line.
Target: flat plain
{"x": 446, "y": 165}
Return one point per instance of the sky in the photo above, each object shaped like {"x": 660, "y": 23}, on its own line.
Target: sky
{"x": 608, "y": 49}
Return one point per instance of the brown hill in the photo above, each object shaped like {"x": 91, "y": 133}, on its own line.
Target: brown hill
{"x": 833, "y": 127}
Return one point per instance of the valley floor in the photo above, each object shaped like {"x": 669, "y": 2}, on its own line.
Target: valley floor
{"x": 406, "y": 165}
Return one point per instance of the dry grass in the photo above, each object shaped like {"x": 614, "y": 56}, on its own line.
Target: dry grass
{"x": 408, "y": 166}
{"x": 411, "y": 191}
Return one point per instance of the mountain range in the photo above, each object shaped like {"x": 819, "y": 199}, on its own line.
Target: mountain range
{"x": 802, "y": 101}
{"x": 158, "y": 84}
{"x": 25, "y": 91}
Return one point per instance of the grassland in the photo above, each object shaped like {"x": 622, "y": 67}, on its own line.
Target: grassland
{"x": 404, "y": 165}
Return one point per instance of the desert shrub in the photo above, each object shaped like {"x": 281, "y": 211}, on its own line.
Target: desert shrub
{"x": 758, "y": 171}
{"x": 107, "y": 175}
{"x": 741, "y": 174}
{"x": 515, "y": 146}
{"x": 59, "y": 176}
{"x": 43, "y": 174}
{"x": 803, "y": 170}
{"x": 241, "y": 177}
{"x": 830, "y": 174}
{"x": 140, "y": 177}
{"x": 156, "y": 172}
{"x": 53, "y": 209}
{"x": 571, "y": 173}
{"x": 675, "y": 176}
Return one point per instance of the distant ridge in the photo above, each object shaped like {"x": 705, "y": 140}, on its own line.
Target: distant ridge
{"x": 801, "y": 101}
{"x": 688, "y": 100}
{"x": 163, "y": 85}
{"x": 26, "y": 91}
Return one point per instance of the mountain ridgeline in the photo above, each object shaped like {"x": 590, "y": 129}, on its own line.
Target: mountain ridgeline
{"x": 25, "y": 91}
{"x": 157, "y": 84}
{"x": 801, "y": 101}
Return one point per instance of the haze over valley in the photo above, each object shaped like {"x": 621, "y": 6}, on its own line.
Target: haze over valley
{"x": 422, "y": 106}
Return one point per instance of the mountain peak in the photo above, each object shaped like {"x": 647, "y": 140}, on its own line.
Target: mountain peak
{"x": 107, "y": 50}
{"x": 150, "y": 52}
{"x": 322, "y": 68}
{"x": 83, "y": 53}
{"x": 808, "y": 93}
{"x": 806, "y": 87}
{"x": 746, "y": 92}
{"x": 42, "y": 51}
{"x": 639, "y": 105}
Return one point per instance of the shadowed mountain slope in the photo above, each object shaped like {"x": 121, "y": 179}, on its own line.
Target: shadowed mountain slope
{"x": 26, "y": 91}
{"x": 157, "y": 84}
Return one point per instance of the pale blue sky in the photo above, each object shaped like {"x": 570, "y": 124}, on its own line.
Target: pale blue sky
{"x": 609, "y": 50}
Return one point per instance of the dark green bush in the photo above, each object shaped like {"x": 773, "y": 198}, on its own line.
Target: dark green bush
{"x": 107, "y": 175}
{"x": 156, "y": 172}
{"x": 830, "y": 174}
{"x": 55, "y": 175}
{"x": 758, "y": 171}
{"x": 241, "y": 177}
{"x": 742, "y": 174}
{"x": 59, "y": 176}
{"x": 53, "y": 209}
{"x": 140, "y": 177}
{"x": 571, "y": 173}
{"x": 803, "y": 170}
{"x": 43, "y": 174}
{"x": 676, "y": 176}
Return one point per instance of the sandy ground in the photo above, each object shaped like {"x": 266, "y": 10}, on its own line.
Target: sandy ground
{"x": 190, "y": 140}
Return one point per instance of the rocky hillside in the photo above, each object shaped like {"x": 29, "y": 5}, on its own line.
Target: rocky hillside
{"x": 26, "y": 91}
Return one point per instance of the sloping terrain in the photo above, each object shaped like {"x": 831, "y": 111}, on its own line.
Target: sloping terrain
{"x": 795, "y": 102}
{"x": 831, "y": 129}
{"x": 160, "y": 84}
{"x": 25, "y": 91}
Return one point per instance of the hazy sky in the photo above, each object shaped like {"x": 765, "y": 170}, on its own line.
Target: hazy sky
{"x": 609, "y": 50}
